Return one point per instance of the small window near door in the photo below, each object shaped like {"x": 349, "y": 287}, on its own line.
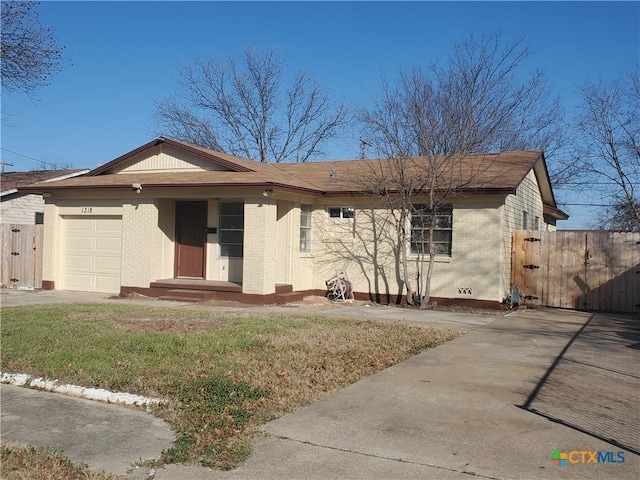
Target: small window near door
{"x": 305, "y": 228}
{"x": 525, "y": 220}
{"x": 39, "y": 218}
{"x": 231, "y": 230}
{"x": 536, "y": 223}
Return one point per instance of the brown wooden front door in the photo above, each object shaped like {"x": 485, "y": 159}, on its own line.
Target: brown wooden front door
{"x": 191, "y": 224}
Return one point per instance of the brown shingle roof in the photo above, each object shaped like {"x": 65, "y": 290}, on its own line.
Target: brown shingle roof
{"x": 180, "y": 179}
{"x": 10, "y": 180}
{"x": 497, "y": 172}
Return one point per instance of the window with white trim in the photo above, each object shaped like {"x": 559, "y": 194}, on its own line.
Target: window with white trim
{"x": 231, "y": 229}
{"x": 421, "y": 220}
{"x": 341, "y": 212}
{"x": 305, "y": 227}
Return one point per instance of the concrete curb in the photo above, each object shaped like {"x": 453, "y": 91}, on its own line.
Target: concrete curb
{"x": 21, "y": 380}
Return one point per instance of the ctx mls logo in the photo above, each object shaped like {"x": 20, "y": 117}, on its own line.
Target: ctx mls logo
{"x": 585, "y": 456}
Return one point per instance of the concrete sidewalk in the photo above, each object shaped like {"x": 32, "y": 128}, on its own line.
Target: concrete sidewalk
{"x": 106, "y": 437}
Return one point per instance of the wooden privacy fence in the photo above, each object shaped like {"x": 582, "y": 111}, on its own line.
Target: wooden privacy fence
{"x": 21, "y": 255}
{"x": 583, "y": 270}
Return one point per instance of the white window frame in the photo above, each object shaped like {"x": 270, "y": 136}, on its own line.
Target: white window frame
{"x": 344, "y": 213}
{"x": 222, "y": 229}
{"x": 444, "y": 213}
{"x": 305, "y": 226}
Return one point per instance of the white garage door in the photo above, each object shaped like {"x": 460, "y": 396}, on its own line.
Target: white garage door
{"x": 92, "y": 254}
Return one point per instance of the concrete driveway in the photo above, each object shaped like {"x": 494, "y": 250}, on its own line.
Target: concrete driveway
{"x": 494, "y": 403}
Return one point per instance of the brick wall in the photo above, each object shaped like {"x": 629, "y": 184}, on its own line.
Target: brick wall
{"x": 472, "y": 272}
{"x": 259, "y": 262}
{"x": 140, "y": 247}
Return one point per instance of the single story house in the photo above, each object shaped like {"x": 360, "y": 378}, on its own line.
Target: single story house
{"x": 173, "y": 220}
{"x": 17, "y": 207}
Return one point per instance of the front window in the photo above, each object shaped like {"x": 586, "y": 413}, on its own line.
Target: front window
{"x": 231, "y": 227}
{"x": 305, "y": 228}
{"x": 421, "y": 220}
{"x": 341, "y": 212}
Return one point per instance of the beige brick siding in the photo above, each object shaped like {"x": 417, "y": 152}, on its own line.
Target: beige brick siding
{"x": 21, "y": 209}
{"x": 472, "y": 271}
{"x": 141, "y": 245}
{"x": 51, "y": 242}
{"x": 259, "y": 262}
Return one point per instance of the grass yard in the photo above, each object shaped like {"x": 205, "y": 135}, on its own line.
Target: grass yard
{"x": 24, "y": 462}
{"x": 222, "y": 374}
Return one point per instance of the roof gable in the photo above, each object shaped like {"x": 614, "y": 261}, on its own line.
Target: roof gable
{"x": 166, "y": 155}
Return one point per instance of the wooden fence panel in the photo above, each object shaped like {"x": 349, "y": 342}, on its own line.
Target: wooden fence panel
{"x": 585, "y": 270}
{"x": 22, "y": 255}
{"x": 5, "y": 245}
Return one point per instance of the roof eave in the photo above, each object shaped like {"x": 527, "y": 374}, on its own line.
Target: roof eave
{"x": 8, "y": 192}
{"x": 554, "y": 212}
{"x": 41, "y": 189}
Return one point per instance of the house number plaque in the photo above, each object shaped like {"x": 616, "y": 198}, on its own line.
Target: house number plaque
{"x": 86, "y": 209}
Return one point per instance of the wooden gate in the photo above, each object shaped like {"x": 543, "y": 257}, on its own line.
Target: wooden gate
{"x": 21, "y": 255}
{"x": 583, "y": 270}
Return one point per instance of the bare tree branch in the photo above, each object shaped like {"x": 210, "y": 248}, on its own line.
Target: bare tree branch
{"x": 30, "y": 52}
{"x": 247, "y": 110}
{"x": 607, "y": 145}
{"x": 426, "y": 124}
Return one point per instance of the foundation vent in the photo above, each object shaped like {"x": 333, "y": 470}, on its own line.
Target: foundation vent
{"x": 465, "y": 291}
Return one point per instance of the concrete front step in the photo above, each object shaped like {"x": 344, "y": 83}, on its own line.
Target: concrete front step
{"x": 282, "y": 298}
{"x": 282, "y": 288}
{"x": 176, "y": 298}
{"x": 283, "y": 294}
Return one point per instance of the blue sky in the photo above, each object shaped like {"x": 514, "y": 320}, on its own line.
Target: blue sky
{"x": 123, "y": 55}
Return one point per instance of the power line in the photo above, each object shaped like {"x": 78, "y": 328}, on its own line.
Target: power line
{"x": 587, "y": 204}
{"x": 24, "y": 156}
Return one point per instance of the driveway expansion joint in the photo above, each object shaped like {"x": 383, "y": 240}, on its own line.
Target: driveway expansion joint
{"x": 382, "y": 457}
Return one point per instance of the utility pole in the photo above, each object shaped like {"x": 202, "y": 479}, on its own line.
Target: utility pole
{"x": 363, "y": 148}
{"x": 2, "y": 164}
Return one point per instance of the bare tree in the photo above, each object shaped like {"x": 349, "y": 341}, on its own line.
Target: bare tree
{"x": 30, "y": 51}
{"x": 428, "y": 123}
{"x": 607, "y": 147}
{"x": 246, "y": 110}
